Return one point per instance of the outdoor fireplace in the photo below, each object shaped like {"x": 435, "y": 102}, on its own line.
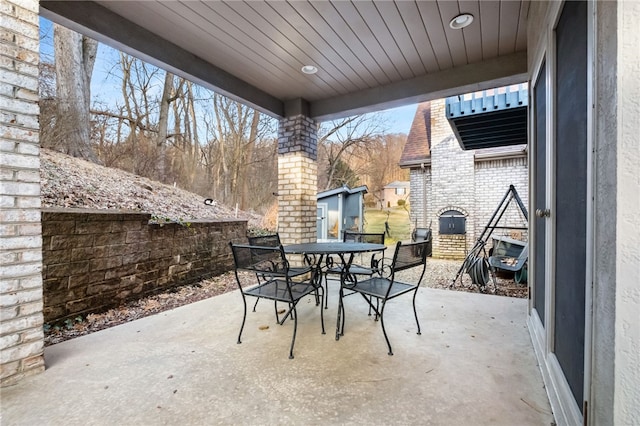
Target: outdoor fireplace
{"x": 452, "y": 222}
{"x": 452, "y": 234}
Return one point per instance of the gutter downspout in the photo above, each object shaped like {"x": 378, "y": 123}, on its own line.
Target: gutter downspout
{"x": 424, "y": 195}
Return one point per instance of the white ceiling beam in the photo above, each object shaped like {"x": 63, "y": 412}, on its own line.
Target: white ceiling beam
{"x": 500, "y": 71}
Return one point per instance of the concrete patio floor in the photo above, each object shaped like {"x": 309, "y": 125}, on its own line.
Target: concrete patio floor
{"x": 473, "y": 365}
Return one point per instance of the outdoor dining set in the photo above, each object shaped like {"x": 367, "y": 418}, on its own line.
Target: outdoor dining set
{"x": 271, "y": 276}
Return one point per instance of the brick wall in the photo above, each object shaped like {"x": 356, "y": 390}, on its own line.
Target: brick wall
{"x": 452, "y": 186}
{"x": 420, "y": 188}
{"x": 492, "y": 180}
{"x": 21, "y": 336}
{"x": 95, "y": 260}
{"x": 452, "y": 246}
{"x": 456, "y": 180}
{"x": 297, "y": 179}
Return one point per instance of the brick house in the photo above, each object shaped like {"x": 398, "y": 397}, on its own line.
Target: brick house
{"x": 456, "y": 191}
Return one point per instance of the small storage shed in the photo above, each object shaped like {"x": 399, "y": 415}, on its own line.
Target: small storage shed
{"x": 340, "y": 209}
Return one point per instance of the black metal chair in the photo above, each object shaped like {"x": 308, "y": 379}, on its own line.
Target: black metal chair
{"x": 273, "y": 282}
{"x": 376, "y": 263}
{"x": 384, "y": 288}
{"x": 273, "y": 240}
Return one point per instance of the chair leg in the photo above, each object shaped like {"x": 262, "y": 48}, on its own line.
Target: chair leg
{"x": 384, "y": 331}
{"x": 326, "y": 291}
{"x": 340, "y": 319}
{"x": 244, "y": 318}
{"x": 255, "y": 304}
{"x": 415, "y": 312}
{"x": 317, "y": 281}
{"x": 295, "y": 329}
{"x": 322, "y": 310}
{"x": 377, "y": 308}
{"x": 344, "y": 316}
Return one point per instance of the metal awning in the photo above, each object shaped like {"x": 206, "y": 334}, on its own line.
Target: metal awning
{"x": 489, "y": 119}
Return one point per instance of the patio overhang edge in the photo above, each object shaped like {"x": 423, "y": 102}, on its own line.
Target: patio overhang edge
{"x": 500, "y": 71}
{"x": 103, "y": 25}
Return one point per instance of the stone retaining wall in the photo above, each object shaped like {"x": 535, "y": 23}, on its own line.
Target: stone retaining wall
{"x": 95, "y": 260}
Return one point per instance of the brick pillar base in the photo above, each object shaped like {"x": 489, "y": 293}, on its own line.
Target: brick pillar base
{"x": 297, "y": 179}
{"x": 21, "y": 334}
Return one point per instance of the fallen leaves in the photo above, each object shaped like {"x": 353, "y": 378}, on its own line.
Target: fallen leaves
{"x": 74, "y": 183}
{"x": 143, "y": 307}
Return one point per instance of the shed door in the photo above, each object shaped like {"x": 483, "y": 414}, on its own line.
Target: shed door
{"x": 321, "y": 221}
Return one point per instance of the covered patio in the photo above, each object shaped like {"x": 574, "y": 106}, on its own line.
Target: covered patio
{"x": 580, "y": 61}
{"x": 473, "y": 364}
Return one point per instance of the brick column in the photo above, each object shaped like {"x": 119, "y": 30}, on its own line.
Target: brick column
{"x": 297, "y": 179}
{"x": 21, "y": 335}
{"x": 453, "y": 184}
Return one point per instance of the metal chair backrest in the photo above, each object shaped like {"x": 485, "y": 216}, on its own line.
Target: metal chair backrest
{"x": 260, "y": 259}
{"x": 409, "y": 255}
{"x": 270, "y": 240}
{"x": 362, "y": 237}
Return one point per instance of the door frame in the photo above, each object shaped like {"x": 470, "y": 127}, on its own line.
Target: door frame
{"x": 534, "y": 315}
{"x": 323, "y": 218}
{"x": 565, "y": 408}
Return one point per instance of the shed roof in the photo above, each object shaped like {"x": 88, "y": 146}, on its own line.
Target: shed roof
{"x": 342, "y": 190}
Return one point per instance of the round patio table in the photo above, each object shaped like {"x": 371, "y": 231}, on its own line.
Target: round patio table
{"x": 311, "y": 250}
{"x": 332, "y": 248}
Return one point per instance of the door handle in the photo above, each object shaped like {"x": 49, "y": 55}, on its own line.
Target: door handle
{"x": 543, "y": 213}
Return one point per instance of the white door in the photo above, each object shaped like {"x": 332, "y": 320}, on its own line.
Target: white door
{"x": 321, "y": 221}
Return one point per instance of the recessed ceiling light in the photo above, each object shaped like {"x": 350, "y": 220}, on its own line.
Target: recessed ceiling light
{"x": 309, "y": 69}
{"x": 461, "y": 21}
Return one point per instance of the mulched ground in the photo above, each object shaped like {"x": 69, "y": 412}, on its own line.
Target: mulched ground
{"x": 140, "y": 308}
{"x": 440, "y": 274}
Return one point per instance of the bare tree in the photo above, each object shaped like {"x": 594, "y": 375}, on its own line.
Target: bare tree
{"x": 157, "y": 129}
{"x": 170, "y": 94}
{"x": 339, "y": 138}
{"x": 233, "y": 130}
{"x": 377, "y": 165}
{"x": 163, "y": 124}
{"x": 48, "y": 107}
{"x": 75, "y": 56}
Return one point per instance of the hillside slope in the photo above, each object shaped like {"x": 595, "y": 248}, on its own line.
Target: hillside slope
{"x": 75, "y": 183}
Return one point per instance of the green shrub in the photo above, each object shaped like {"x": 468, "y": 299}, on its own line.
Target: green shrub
{"x": 402, "y": 202}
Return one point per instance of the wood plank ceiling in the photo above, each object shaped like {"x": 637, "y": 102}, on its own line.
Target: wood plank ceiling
{"x": 365, "y": 51}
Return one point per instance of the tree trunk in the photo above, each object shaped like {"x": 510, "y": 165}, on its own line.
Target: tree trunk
{"x": 223, "y": 156}
{"x": 74, "y": 56}
{"x": 253, "y": 135}
{"x": 163, "y": 123}
{"x": 195, "y": 146}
